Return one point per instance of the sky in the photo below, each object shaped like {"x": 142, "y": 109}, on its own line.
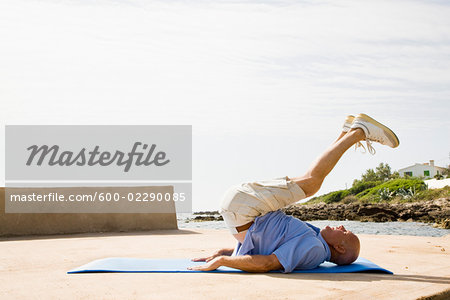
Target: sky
{"x": 266, "y": 85}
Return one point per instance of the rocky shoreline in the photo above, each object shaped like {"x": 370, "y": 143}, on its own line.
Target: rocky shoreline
{"x": 432, "y": 211}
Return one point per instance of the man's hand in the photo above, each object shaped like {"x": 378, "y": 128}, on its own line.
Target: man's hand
{"x": 221, "y": 252}
{"x": 210, "y": 266}
{"x": 248, "y": 263}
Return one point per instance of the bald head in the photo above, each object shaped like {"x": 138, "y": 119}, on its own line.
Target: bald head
{"x": 344, "y": 245}
{"x": 351, "y": 253}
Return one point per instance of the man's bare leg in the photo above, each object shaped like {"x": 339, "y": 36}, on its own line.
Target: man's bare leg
{"x": 310, "y": 182}
{"x": 340, "y": 136}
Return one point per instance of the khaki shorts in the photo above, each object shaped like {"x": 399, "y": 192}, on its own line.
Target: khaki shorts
{"x": 243, "y": 203}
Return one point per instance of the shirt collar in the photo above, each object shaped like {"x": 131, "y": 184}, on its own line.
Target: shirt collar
{"x": 247, "y": 246}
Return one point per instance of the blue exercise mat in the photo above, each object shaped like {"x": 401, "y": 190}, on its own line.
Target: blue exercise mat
{"x": 140, "y": 265}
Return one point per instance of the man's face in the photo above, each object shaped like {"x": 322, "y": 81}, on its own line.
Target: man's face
{"x": 337, "y": 235}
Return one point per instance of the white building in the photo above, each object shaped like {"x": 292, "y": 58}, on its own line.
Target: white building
{"x": 427, "y": 170}
{"x": 437, "y": 184}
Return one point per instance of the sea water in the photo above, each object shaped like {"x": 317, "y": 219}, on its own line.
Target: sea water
{"x": 388, "y": 228}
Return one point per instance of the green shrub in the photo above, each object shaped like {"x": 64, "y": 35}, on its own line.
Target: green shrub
{"x": 393, "y": 186}
{"x": 349, "y": 199}
{"x": 335, "y": 196}
{"x": 407, "y": 194}
{"x": 433, "y": 193}
{"x": 360, "y": 186}
{"x": 385, "y": 194}
{"x": 439, "y": 176}
{"x": 398, "y": 190}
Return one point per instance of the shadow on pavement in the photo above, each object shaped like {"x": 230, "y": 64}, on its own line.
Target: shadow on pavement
{"x": 99, "y": 234}
{"x": 363, "y": 276}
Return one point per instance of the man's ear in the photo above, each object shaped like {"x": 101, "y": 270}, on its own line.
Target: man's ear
{"x": 339, "y": 248}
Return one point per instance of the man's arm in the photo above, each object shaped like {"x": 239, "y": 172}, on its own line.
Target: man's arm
{"x": 248, "y": 263}
{"x": 221, "y": 252}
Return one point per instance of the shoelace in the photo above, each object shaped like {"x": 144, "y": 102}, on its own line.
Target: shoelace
{"x": 370, "y": 148}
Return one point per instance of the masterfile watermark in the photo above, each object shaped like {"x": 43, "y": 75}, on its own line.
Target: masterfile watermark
{"x": 105, "y": 158}
{"x": 131, "y": 152}
{"x": 150, "y": 198}
{"x": 122, "y": 169}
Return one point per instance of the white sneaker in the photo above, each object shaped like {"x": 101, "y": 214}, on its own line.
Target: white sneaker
{"x": 348, "y": 123}
{"x": 347, "y": 126}
{"x": 375, "y": 132}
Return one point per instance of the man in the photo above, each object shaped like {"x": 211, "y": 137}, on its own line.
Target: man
{"x": 270, "y": 240}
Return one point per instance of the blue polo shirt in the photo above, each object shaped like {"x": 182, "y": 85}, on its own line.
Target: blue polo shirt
{"x": 297, "y": 244}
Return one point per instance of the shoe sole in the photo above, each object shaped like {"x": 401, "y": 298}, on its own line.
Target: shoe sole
{"x": 348, "y": 120}
{"x": 391, "y": 135}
